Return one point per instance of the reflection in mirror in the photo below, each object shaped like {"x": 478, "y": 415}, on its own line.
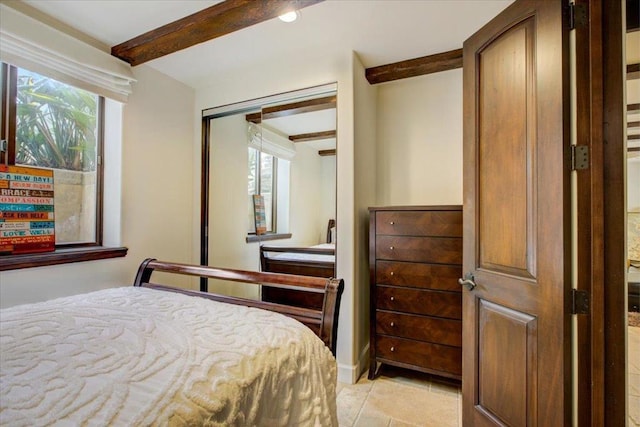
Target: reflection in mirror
{"x": 279, "y": 154}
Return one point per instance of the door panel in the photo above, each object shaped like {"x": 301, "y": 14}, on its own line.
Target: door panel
{"x": 508, "y": 342}
{"x": 507, "y": 152}
{"x": 516, "y": 322}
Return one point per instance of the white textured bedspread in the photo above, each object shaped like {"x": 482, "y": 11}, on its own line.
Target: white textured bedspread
{"x": 136, "y": 356}
{"x": 293, "y": 256}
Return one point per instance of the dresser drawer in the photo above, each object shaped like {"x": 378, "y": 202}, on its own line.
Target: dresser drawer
{"x": 420, "y": 223}
{"x": 430, "y": 303}
{"x": 425, "y": 355}
{"x": 422, "y": 328}
{"x": 424, "y": 276}
{"x": 439, "y": 250}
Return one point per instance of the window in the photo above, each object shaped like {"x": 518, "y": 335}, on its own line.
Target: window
{"x": 53, "y": 125}
{"x": 58, "y": 127}
{"x": 263, "y": 175}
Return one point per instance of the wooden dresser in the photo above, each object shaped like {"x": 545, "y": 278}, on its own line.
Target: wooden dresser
{"x": 415, "y": 259}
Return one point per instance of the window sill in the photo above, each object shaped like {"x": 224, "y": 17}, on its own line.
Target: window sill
{"x": 60, "y": 256}
{"x": 265, "y": 237}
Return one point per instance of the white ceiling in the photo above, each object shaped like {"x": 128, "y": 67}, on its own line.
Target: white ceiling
{"x": 381, "y": 31}
{"x": 317, "y": 121}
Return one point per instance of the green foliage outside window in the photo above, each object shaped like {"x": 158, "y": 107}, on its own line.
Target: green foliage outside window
{"x": 56, "y": 124}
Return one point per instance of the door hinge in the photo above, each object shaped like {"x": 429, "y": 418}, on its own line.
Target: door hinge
{"x": 577, "y": 16}
{"x": 580, "y": 302}
{"x": 579, "y": 157}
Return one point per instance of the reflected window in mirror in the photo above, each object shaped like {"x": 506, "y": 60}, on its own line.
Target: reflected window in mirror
{"x": 261, "y": 183}
{"x": 269, "y": 159}
{"x": 268, "y": 177}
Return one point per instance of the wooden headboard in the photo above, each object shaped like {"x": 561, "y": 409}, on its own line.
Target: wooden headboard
{"x": 324, "y": 322}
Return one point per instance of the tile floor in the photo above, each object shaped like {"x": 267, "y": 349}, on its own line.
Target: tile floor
{"x": 399, "y": 398}
{"x": 402, "y": 398}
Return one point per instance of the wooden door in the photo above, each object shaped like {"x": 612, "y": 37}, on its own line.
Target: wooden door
{"x": 516, "y": 322}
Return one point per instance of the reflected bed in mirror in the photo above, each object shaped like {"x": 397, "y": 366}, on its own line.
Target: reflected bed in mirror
{"x": 317, "y": 261}
{"x": 280, "y": 151}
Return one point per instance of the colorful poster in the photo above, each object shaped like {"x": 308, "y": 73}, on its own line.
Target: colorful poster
{"x": 26, "y": 210}
{"x": 259, "y": 214}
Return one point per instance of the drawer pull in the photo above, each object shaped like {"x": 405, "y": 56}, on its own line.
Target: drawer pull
{"x": 392, "y": 298}
{"x": 391, "y": 274}
{"x": 393, "y": 349}
{"x": 392, "y": 324}
{"x": 390, "y": 247}
{"x": 391, "y": 222}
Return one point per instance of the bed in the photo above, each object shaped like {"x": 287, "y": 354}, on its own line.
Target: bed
{"x": 314, "y": 261}
{"x": 151, "y": 354}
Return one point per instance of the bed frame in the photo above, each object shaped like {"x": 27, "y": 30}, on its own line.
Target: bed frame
{"x": 322, "y": 321}
{"x": 304, "y": 268}
{"x": 300, "y": 267}
{"x": 309, "y": 268}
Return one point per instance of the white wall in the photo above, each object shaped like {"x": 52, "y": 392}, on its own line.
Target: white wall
{"x": 308, "y": 215}
{"x": 228, "y": 207}
{"x": 419, "y": 158}
{"x": 157, "y": 198}
{"x": 365, "y": 141}
{"x": 328, "y": 192}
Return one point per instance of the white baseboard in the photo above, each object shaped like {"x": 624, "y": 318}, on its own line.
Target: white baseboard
{"x": 349, "y": 374}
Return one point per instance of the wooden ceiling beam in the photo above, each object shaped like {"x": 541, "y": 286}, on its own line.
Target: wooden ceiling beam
{"x": 254, "y": 117}
{"x": 307, "y": 106}
{"x": 207, "y": 24}
{"x": 327, "y": 152}
{"x": 633, "y": 71}
{"x": 313, "y": 136}
{"x": 415, "y": 67}
{"x": 633, "y": 107}
{"x": 284, "y": 110}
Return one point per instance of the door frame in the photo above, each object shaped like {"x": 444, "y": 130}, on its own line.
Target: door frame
{"x": 601, "y": 335}
{"x": 590, "y": 215}
{"x": 614, "y": 218}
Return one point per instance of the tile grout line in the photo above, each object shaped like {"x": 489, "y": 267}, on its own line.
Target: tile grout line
{"x": 364, "y": 402}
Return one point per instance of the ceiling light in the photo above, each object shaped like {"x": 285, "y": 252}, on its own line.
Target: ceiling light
{"x": 289, "y": 16}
